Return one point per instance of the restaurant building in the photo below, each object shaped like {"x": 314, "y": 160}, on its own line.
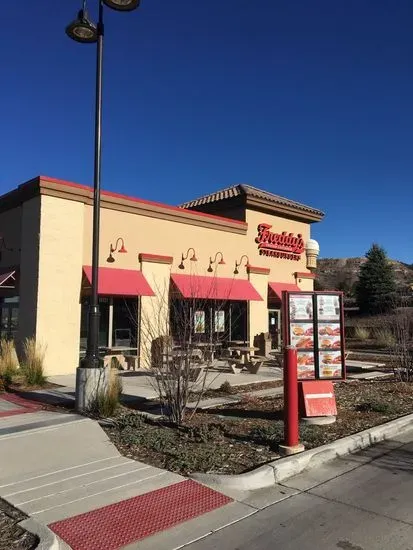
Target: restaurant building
{"x": 228, "y": 256}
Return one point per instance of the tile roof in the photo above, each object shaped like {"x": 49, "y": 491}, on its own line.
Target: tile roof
{"x": 249, "y": 191}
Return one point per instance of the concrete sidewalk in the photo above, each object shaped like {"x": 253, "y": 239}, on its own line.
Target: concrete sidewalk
{"x": 62, "y": 470}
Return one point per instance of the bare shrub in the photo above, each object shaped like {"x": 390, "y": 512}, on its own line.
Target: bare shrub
{"x": 401, "y": 349}
{"x": 169, "y": 330}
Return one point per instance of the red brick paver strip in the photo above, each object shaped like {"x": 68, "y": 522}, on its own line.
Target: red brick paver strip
{"x": 22, "y": 405}
{"x": 116, "y": 525}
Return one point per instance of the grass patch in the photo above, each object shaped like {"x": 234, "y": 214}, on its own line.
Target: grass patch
{"x": 33, "y": 363}
{"x": 9, "y": 363}
{"x": 361, "y": 333}
{"x": 108, "y": 400}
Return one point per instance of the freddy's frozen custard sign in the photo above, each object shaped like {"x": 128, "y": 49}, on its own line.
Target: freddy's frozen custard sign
{"x": 279, "y": 245}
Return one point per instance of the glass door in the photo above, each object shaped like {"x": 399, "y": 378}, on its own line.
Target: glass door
{"x": 274, "y": 328}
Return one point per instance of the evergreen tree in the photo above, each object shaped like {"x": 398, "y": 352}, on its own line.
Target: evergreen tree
{"x": 376, "y": 285}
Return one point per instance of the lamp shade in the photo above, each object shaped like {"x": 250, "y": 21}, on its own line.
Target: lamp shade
{"x": 82, "y": 29}
{"x": 122, "y": 5}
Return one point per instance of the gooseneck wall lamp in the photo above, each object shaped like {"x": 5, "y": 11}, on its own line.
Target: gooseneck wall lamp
{"x": 112, "y": 249}
{"x": 185, "y": 256}
{"x": 84, "y": 30}
{"x": 239, "y": 262}
{"x": 214, "y": 261}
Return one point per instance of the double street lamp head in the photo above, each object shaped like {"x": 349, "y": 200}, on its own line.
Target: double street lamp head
{"x": 122, "y": 5}
{"x": 82, "y": 29}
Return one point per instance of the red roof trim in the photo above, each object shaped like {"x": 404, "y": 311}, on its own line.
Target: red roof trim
{"x": 258, "y": 270}
{"x": 142, "y": 201}
{"x": 155, "y": 258}
{"x": 304, "y": 275}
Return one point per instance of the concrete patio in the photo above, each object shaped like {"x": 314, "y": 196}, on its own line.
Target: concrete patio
{"x": 140, "y": 384}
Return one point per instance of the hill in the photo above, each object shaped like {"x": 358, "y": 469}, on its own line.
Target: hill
{"x": 342, "y": 273}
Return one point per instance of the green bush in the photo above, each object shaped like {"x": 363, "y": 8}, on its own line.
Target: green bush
{"x": 206, "y": 433}
{"x": 268, "y": 435}
{"x": 374, "y": 406}
{"x": 33, "y": 363}
{"x": 226, "y": 387}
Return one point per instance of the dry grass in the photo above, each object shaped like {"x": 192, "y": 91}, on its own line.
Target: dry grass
{"x": 107, "y": 400}
{"x": 361, "y": 333}
{"x": 33, "y": 363}
{"x": 384, "y": 337}
{"x": 9, "y": 363}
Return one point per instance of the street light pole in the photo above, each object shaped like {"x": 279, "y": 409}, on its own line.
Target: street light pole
{"x": 90, "y": 377}
{"x": 91, "y": 359}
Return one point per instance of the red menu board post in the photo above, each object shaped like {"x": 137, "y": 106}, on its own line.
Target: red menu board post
{"x": 291, "y": 417}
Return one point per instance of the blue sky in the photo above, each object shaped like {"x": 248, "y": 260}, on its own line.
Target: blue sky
{"x": 310, "y": 100}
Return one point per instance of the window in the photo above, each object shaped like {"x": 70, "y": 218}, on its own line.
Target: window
{"x": 117, "y": 324}
{"x": 9, "y": 317}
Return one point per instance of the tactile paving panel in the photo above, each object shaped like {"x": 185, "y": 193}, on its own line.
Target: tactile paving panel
{"x": 131, "y": 520}
{"x": 22, "y": 405}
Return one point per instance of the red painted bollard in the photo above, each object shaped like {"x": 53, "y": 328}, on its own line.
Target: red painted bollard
{"x": 291, "y": 443}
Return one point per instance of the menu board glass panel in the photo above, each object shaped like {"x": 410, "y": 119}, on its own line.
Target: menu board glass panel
{"x": 328, "y": 307}
{"x": 330, "y": 364}
{"x": 305, "y": 365}
{"x": 301, "y": 306}
{"x": 302, "y": 335}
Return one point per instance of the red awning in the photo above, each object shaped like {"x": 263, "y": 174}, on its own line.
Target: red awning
{"x": 278, "y": 288}
{"x": 8, "y": 279}
{"x": 120, "y": 282}
{"x": 214, "y": 288}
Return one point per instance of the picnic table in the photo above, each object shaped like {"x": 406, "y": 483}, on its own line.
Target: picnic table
{"x": 244, "y": 352}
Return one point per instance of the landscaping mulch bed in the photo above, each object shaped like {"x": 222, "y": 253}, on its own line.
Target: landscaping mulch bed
{"x": 241, "y": 436}
{"x": 12, "y": 536}
{"x": 227, "y": 389}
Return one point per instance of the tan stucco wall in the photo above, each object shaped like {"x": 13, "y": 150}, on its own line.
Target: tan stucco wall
{"x": 60, "y": 272}
{"x": 258, "y": 311}
{"x": 154, "y": 319}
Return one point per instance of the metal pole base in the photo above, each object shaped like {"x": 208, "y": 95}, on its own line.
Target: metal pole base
{"x": 89, "y": 383}
{"x": 285, "y": 450}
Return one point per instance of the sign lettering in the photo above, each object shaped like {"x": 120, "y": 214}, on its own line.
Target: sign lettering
{"x": 279, "y": 245}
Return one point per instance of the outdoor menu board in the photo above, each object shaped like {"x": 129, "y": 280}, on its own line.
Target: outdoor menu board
{"x": 315, "y": 328}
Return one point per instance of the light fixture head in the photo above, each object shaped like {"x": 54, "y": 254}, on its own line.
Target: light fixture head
{"x": 221, "y": 262}
{"x": 122, "y": 5}
{"x": 82, "y": 29}
{"x": 122, "y": 249}
{"x": 193, "y": 258}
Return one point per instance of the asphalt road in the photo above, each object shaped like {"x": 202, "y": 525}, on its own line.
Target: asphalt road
{"x": 369, "y": 507}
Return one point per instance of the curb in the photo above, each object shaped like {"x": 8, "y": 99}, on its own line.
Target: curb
{"x": 284, "y": 468}
{"x": 48, "y": 540}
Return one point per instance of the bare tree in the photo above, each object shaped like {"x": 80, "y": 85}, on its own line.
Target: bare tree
{"x": 179, "y": 340}
{"x": 400, "y": 340}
